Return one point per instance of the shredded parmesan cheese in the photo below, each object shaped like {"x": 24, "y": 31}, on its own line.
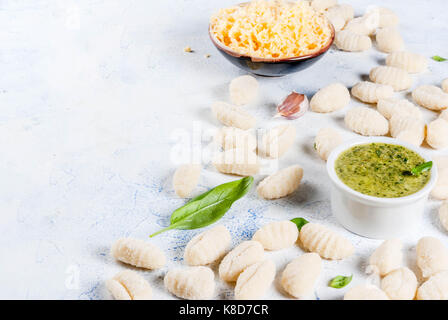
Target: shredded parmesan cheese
{"x": 271, "y": 29}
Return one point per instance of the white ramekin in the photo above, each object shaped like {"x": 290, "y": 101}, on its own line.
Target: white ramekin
{"x": 373, "y": 217}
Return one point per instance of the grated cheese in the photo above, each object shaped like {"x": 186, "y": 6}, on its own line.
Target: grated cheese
{"x": 271, "y": 29}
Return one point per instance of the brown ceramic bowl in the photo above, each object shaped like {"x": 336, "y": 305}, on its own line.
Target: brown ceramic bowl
{"x": 270, "y": 67}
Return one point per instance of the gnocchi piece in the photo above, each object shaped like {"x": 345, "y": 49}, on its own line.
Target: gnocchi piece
{"x": 444, "y": 115}
{"x": 363, "y": 26}
{"x": 386, "y": 258}
{"x": 280, "y": 184}
{"x": 408, "y": 61}
{"x": 243, "y": 90}
{"x": 336, "y": 19}
{"x": 323, "y": 241}
{"x": 233, "y": 116}
{"x": 277, "y": 235}
{"x": 233, "y": 138}
{"x": 331, "y": 98}
{"x": 346, "y": 11}
{"x": 365, "y": 292}
{"x": 398, "y": 124}
{"x": 411, "y": 137}
{"x": 394, "y": 77}
{"x": 242, "y": 256}
{"x": 435, "y": 288}
{"x": 443, "y": 215}
{"x": 322, "y": 5}
{"x": 432, "y": 256}
{"x": 384, "y": 16}
{"x": 437, "y": 134}
{"x": 300, "y": 275}
{"x": 347, "y": 40}
{"x": 326, "y": 140}
{"x": 207, "y": 246}
{"x": 389, "y": 40}
{"x": 242, "y": 162}
{"x": 185, "y": 179}
{"x": 440, "y": 190}
{"x": 366, "y": 121}
{"x": 372, "y": 92}
{"x": 138, "y": 253}
{"x": 400, "y": 284}
{"x": 255, "y": 280}
{"x": 402, "y": 107}
{"x": 277, "y": 141}
{"x": 192, "y": 283}
{"x": 430, "y": 97}
{"x": 129, "y": 285}
{"x": 445, "y": 85}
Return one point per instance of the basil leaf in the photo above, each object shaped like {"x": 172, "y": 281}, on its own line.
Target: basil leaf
{"x": 208, "y": 207}
{"x": 422, "y": 168}
{"x": 438, "y": 58}
{"x": 300, "y": 222}
{"x": 340, "y": 282}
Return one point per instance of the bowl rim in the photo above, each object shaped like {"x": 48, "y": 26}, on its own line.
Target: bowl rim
{"x": 223, "y": 47}
{"x": 377, "y": 200}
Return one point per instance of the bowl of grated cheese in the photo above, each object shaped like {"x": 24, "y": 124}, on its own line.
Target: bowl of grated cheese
{"x": 270, "y": 37}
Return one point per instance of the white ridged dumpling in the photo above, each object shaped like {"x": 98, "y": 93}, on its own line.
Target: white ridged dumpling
{"x": 186, "y": 178}
{"x": 330, "y": 98}
{"x": 402, "y": 107}
{"x": 243, "y": 90}
{"x": 437, "y": 134}
{"x": 239, "y": 161}
{"x": 255, "y": 280}
{"x": 365, "y": 292}
{"x": 242, "y": 256}
{"x": 432, "y": 256}
{"x": 389, "y": 40}
{"x": 280, "y": 184}
{"x": 408, "y": 61}
{"x": 430, "y": 97}
{"x": 410, "y": 136}
{"x": 400, "y": 284}
{"x": 207, "y": 246}
{"x": 364, "y": 26}
{"x": 325, "y": 242}
{"x": 435, "y": 288}
{"x": 347, "y": 40}
{"x": 277, "y": 235}
{"x": 234, "y": 138}
{"x": 322, "y": 5}
{"x": 326, "y": 140}
{"x": 300, "y": 275}
{"x": 366, "y": 121}
{"x": 386, "y": 258}
{"x": 343, "y": 10}
{"x": 233, "y": 116}
{"x": 192, "y": 283}
{"x": 129, "y": 285}
{"x": 277, "y": 141}
{"x": 394, "y": 77}
{"x": 138, "y": 253}
{"x": 372, "y": 92}
{"x": 399, "y": 124}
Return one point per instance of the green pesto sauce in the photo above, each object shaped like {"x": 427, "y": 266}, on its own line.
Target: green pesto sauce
{"x": 376, "y": 169}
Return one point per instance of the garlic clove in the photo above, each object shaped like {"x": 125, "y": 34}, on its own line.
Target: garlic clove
{"x": 293, "y": 106}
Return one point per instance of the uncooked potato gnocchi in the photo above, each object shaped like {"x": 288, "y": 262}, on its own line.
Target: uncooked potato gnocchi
{"x": 326, "y": 140}
{"x": 346, "y": 11}
{"x": 331, "y": 98}
{"x": 277, "y": 141}
{"x": 435, "y": 288}
{"x": 366, "y": 121}
{"x": 443, "y": 215}
{"x": 365, "y": 292}
{"x": 399, "y": 124}
{"x": 242, "y": 256}
{"x": 411, "y": 137}
{"x": 400, "y": 284}
{"x": 387, "y": 257}
{"x": 322, "y": 5}
{"x": 300, "y": 275}
{"x": 277, "y": 235}
{"x": 280, "y": 184}
{"x": 233, "y": 116}
{"x": 129, "y": 285}
{"x": 363, "y": 26}
{"x": 372, "y": 92}
{"x": 408, "y": 61}
{"x": 138, "y": 253}
{"x": 389, "y": 40}
{"x": 347, "y": 40}
{"x": 325, "y": 242}
{"x": 243, "y": 90}
{"x": 430, "y": 97}
{"x": 444, "y": 115}
{"x": 239, "y": 161}
{"x": 336, "y": 19}
{"x": 233, "y": 138}
{"x": 402, "y": 107}
{"x": 432, "y": 256}
{"x": 207, "y": 246}
{"x": 255, "y": 280}
{"x": 394, "y": 77}
{"x": 186, "y": 178}
{"x": 384, "y": 16}
{"x": 440, "y": 190}
{"x": 437, "y": 134}
{"x": 192, "y": 283}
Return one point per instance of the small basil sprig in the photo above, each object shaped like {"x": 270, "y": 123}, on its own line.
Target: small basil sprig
{"x": 419, "y": 169}
{"x": 438, "y": 58}
{"x": 340, "y": 281}
{"x": 208, "y": 207}
{"x": 300, "y": 222}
